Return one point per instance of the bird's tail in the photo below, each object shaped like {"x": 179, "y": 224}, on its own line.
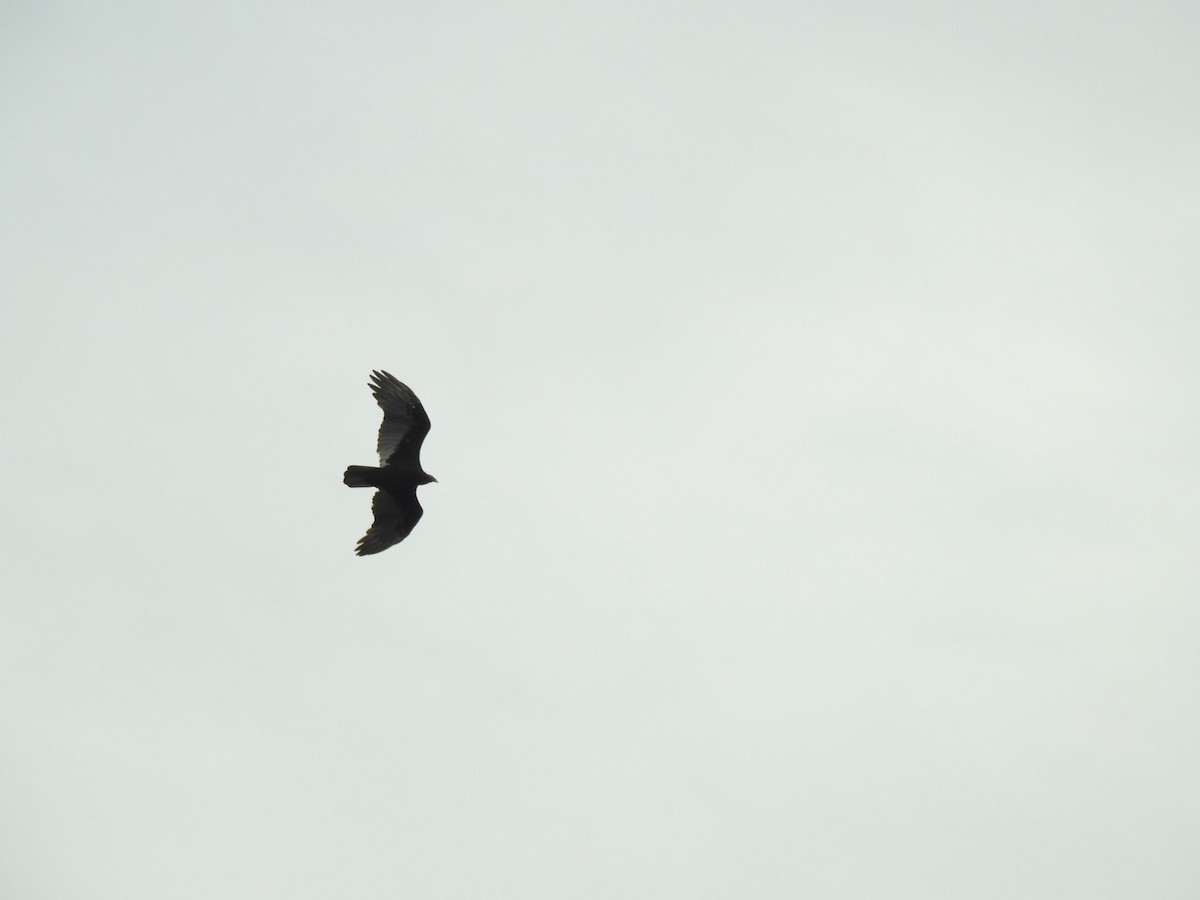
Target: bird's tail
{"x": 360, "y": 476}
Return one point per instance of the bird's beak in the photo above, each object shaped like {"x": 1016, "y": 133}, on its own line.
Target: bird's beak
{"x": 434, "y": 480}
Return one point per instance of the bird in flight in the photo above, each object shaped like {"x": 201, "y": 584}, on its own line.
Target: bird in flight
{"x": 404, "y": 427}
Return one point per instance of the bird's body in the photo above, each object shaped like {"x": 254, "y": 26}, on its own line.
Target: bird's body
{"x": 401, "y": 434}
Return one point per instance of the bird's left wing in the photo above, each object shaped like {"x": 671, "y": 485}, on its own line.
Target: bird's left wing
{"x": 395, "y": 517}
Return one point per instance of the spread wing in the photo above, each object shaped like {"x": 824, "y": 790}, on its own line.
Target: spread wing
{"x": 395, "y": 517}
{"x": 405, "y": 423}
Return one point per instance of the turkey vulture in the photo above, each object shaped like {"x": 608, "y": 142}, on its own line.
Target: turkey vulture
{"x": 404, "y": 427}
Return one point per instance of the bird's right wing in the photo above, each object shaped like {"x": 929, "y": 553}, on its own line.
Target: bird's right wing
{"x": 405, "y": 422}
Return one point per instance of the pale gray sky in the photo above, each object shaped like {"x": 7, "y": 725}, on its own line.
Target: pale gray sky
{"x": 815, "y": 396}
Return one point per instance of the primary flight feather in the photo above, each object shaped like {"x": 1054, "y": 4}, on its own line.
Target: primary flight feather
{"x": 401, "y": 434}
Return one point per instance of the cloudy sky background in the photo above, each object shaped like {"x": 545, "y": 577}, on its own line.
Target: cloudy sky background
{"x": 815, "y": 403}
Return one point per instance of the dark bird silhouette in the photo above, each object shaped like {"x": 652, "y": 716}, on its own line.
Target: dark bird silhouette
{"x": 404, "y": 427}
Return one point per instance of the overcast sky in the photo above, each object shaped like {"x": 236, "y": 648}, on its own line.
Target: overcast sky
{"x": 815, "y": 393}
